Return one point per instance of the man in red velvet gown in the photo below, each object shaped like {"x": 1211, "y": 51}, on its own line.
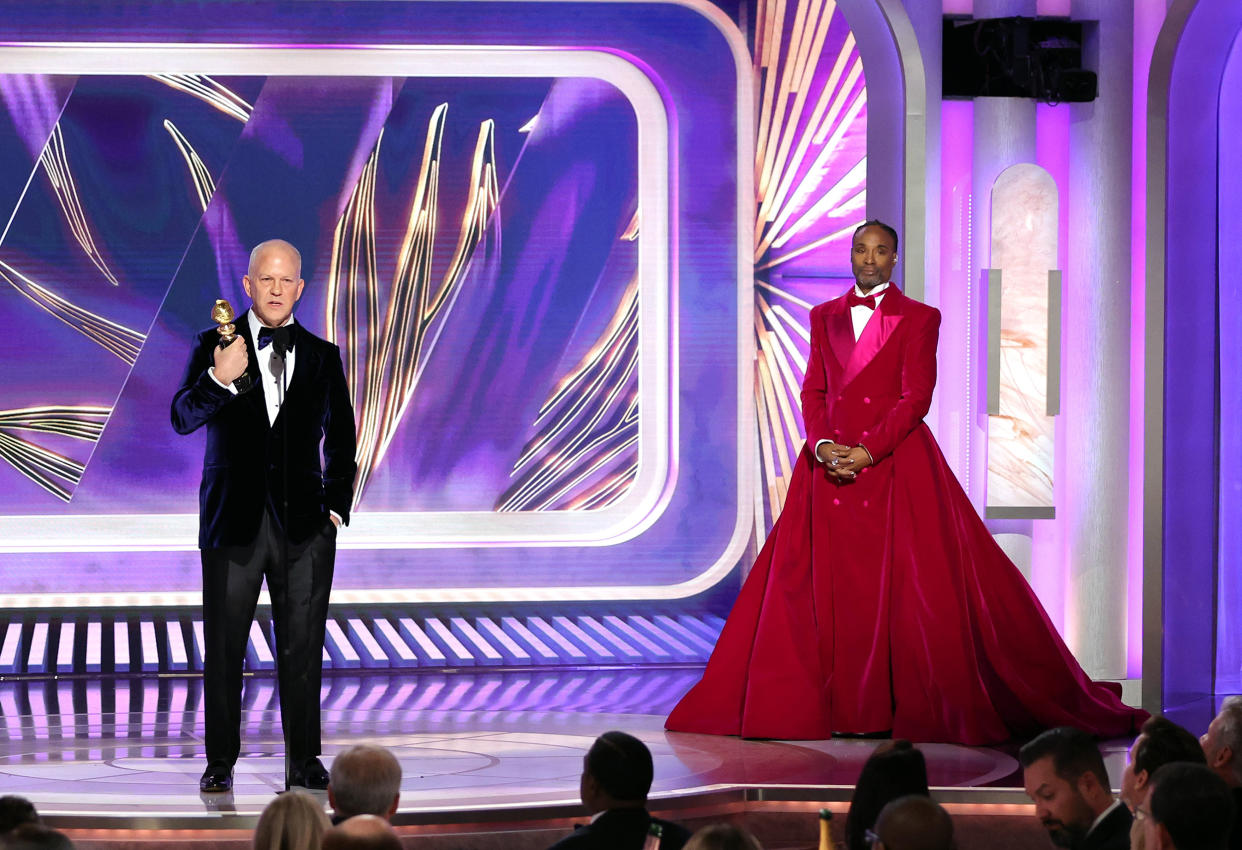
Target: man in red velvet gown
{"x": 880, "y": 602}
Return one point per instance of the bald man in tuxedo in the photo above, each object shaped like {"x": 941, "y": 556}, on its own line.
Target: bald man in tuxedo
{"x": 273, "y": 402}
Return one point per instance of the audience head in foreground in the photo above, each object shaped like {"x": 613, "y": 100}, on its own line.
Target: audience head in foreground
{"x": 362, "y": 832}
{"x": 896, "y": 769}
{"x": 1064, "y": 775}
{"x": 15, "y": 811}
{"x": 616, "y": 776}
{"x": 35, "y": 836}
{"x": 1160, "y": 742}
{"x": 723, "y": 836}
{"x": 1189, "y": 808}
{"x": 616, "y": 773}
{"x": 914, "y": 822}
{"x": 1222, "y": 742}
{"x": 365, "y": 780}
{"x": 295, "y": 820}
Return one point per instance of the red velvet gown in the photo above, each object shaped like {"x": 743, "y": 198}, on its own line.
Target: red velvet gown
{"x": 884, "y": 604}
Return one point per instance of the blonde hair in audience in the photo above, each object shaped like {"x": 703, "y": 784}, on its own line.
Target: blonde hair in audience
{"x": 293, "y": 821}
{"x": 722, "y": 836}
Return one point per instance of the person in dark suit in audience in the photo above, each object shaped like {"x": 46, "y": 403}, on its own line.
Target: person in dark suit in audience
{"x": 1189, "y": 808}
{"x": 1160, "y": 742}
{"x": 616, "y": 776}
{"x": 35, "y": 836}
{"x": 15, "y": 811}
{"x": 1222, "y": 747}
{"x": 1064, "y": 775}
{"x": 914, "y": 822}
{"x": 268, "y": 506}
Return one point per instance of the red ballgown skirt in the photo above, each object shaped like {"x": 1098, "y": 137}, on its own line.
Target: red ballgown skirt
{"x": 885, "y": 605}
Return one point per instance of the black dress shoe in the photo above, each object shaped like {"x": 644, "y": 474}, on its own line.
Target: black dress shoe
{"x": 310, "y": 774}
{"x": 217, "y": 778}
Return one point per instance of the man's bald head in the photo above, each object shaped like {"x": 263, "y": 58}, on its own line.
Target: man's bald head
{"x": 362, "y": 832}
{"x": 914, "y": 823}
{"x": 273, "y": 245}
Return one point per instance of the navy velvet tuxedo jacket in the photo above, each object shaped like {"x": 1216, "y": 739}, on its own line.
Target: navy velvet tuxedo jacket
{"x": 243, "y": 471}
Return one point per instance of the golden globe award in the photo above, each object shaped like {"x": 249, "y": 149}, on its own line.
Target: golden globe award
{"x": 222, "y": 314}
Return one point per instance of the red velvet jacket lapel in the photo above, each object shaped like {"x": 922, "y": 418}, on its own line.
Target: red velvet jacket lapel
{"x": 877, "y": 332}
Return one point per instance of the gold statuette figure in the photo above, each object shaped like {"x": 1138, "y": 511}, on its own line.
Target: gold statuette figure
{"x": 222, "y": 314}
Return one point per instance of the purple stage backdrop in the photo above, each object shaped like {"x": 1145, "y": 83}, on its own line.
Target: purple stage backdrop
{"x": 530, "y": 241}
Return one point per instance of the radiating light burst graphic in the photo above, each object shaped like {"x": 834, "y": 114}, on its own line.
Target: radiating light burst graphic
{"x": 810, "y": 184}
{"x": 384, "y": 352}
{"x": 51, "y": 470}
{"x": 584, "y": 453}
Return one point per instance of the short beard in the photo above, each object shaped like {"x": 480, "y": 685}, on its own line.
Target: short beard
{"x": 1063, "y": 835}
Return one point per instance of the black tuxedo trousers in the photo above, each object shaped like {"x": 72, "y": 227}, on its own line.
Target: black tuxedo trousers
{"x": 299, "y": 581}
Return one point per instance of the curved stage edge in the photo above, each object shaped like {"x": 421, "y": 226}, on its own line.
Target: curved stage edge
{"x": 115, "y": 762}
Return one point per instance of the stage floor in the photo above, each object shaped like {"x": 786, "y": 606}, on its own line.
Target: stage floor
{"x": 473, "y": 745}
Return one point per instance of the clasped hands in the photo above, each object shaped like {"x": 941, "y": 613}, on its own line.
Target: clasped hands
{"x": 842, "y": 462}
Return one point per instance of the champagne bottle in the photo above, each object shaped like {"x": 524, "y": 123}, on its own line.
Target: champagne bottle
{"x": 825, "y": 829}
{"x": 654, "y": 833}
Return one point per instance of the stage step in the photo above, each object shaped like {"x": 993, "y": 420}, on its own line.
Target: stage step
{"x": 157, "y": 642}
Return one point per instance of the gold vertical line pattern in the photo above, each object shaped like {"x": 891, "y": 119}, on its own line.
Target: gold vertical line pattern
{"x": 384, "y": 350}
{"x": 114, "y": 338}
{"x": 788, "y": 199}
{"x": 805, "y": 62}
{"x": 55, "y": 162}
{"x": 204, "y": 185}
{"x": 780, "y": 367}
{"x": 45, "y": 467}
{"x": 209, "y": 91}
{"x": 582, "y": 457}
{"x": 574, "y": 443}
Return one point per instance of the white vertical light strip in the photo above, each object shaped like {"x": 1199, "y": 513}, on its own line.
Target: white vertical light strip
{"x": 177, "y": 658}
{"x": 9, "y": 659}
{"x": 200, "y": 643}
{"x": 64, "y": 649}
{"x": 427, "y": 650}
{"x": 360, "y": 635}
{"x": 149, "y": 646}
{"x": 488, "y": 627}
{"x": 36, "y": 658}
{"x": 396, "y": 645}
{"x": 94, "y": 646}
{"x": 344, "y": 649}
{"x": 258, "y": 644}
{"x": 120, "y": 646}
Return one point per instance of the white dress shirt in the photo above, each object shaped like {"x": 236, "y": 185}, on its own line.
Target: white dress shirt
{"x": 273, "y": 391}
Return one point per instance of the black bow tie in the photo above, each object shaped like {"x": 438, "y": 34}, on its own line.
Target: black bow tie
{"x": 285, "y": 333}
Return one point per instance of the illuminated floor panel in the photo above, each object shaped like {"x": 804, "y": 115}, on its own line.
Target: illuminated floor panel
{"x": 92, "y": 753}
